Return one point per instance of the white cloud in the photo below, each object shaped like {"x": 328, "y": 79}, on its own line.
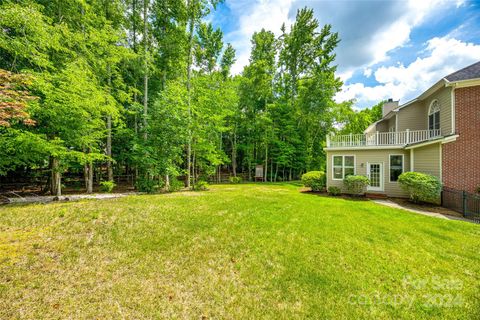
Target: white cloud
{"x": 253, "y": 16}
{"x": 370, "y": 30}
{"x": 444, "y": 56}
{"x": 365, "y": 40}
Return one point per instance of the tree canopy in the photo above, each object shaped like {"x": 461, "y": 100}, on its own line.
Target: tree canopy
{"x": 100, "y": 90}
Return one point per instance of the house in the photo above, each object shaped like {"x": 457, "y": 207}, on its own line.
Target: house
{"x": 437, "y": 133}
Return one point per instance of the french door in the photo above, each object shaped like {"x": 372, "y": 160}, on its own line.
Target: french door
{"x": 375, "y": 174}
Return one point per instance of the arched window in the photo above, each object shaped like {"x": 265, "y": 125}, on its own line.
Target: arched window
{"x": 434, "y": 116}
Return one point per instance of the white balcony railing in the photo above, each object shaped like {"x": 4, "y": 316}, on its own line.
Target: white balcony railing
{"x": 382, "y": 138}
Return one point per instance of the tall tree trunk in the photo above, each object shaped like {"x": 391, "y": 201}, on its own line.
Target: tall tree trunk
{"x": 234, "y": 154}
{"x": 271, "y": 169}
{"x": 56, "y": 177}
{"x": 191, "y": 25}
{"x": 145, "y": 66}
{"x": 109, "y": 148}
{"x": 193, "y": 169}
{"x": 167, "y": 182}
{"x": 90, "y": 177}
{"x": 220, "y": 146}
{"x": 135, "y": 123}
{"x": 109, "y": 132}
{"x": 266, "y": 164}
{"x": 134, "y": 25}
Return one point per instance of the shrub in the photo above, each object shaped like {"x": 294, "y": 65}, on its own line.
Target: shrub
{"x": 107, "y": 186}
{"x": 334, "y": 191}
{"x": 147, "y": 185}
{"x": 421, "y": 186}
{"x": 235, "y": 180}
{"x": 201, "y": 185}
{"x": 175, "y": 185}
{"x": 356, "y": 185}
{"x": 314, "y": 179}
{"x": 478, "y": 189}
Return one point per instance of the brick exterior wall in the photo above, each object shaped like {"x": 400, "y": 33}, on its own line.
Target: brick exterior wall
{"x": 461, "y": 158}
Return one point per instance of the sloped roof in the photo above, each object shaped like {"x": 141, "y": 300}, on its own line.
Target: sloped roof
{"x": 467, "y": 73}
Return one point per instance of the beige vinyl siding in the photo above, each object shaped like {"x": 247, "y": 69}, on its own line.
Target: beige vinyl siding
{"x": 415, "y": 116}
{"x": 382, "y": 126}
{"x": 427, "y": 159}
{"x": 391, "y": 123}
{"x": 444, "y": 98}
{"x": 392, "y": 189}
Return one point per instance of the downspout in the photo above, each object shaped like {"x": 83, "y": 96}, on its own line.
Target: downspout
{"x": 412, "y": 160}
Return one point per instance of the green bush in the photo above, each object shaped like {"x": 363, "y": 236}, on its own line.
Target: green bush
{"x": 478, "y": 189}
{"x": 421, "y": 187}
{"x": 334, "y": 191}
{"x": 147, "y": 185}
{"x": 175, "y": 185}
{"x": 235, "y": 180}
{"x": 201, "y": 185}
{"x": 356, "y": 185}
{"x": 314, "y": 179}
{"x": 107, "y": 186}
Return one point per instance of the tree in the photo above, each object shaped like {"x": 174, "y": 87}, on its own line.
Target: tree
{"x": 196, "y": 10}
{"x": 14, "y": 96}
{"x": 228, "y": 59}
{"x": 208, "y": 45}
{"x": 307, "y": 81}
{"x": 256, "y": 94}
{"x": 350, "y": 121}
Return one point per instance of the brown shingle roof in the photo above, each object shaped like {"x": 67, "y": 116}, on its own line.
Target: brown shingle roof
{"x": 470, "y": 72}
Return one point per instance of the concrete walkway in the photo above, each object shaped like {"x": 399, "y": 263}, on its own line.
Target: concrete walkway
{"x": 392, "y": 204}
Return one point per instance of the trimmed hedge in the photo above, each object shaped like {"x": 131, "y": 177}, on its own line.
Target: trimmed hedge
{"x": 315, "y": 180}
{"x": 421, "y": 187}
{"x": 356, "y": 185}
{"x": 334, "y": 191}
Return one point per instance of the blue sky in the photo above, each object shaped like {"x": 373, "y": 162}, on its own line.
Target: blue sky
{"x": 389, "y": 49}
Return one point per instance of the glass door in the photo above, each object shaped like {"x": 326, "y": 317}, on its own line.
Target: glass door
{"x": 375, "y": 174}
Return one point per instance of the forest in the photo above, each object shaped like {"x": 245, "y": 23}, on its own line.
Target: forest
{"x": 141, "y": 92}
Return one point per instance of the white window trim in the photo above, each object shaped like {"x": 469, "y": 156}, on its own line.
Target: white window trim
{"x": 430, "y": 113}
{"x": 343, "y": 165}
{"x": 431, "y": 104}
{"x": 390, "y": 165}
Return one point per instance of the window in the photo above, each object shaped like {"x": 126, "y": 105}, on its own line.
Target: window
{"x": 396, "y": 166}
{"x": 434, "y": 116}
{"x": 343, "y": 166}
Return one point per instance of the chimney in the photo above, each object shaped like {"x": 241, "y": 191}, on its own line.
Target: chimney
{"x": 389, "y": 106}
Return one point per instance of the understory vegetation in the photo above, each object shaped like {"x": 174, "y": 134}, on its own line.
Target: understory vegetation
{"x": 143, "y": 90}
{"x": 262, "y": 251}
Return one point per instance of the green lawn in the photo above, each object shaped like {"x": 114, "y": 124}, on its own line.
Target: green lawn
{"x": 236, "y": 251}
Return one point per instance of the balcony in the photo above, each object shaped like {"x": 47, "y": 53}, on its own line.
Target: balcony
{"x": 381, "y": 139}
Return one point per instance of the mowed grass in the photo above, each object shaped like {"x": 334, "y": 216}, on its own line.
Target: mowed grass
{"x": 247, "y": 251}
